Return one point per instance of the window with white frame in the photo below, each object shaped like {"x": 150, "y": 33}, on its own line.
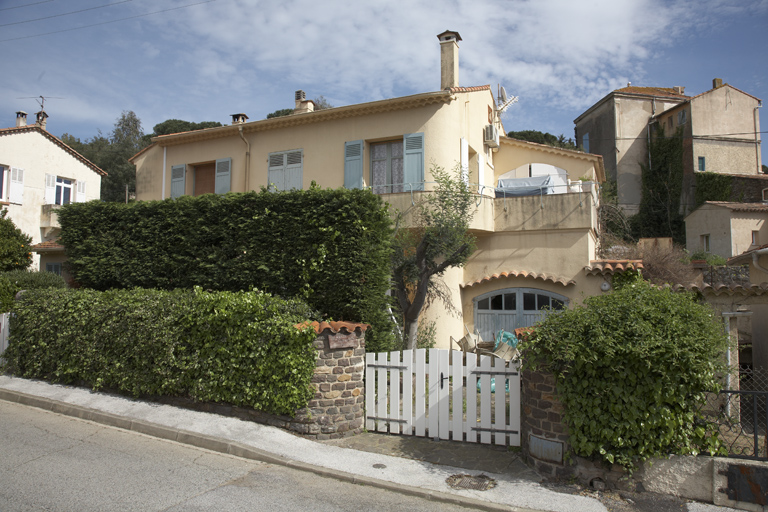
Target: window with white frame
{"x": 11, "y": 184}
{"x": 61, "y": 190}
{"x": 4, "y": 176}
{"x": 511, "y": 308}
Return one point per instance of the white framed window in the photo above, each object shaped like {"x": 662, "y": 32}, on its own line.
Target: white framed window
{"x": 511, "y": 308}
{"x": 4, "y": 177}
{"x": 60, "y": 190}
{"x": 64, "y": 189}
{"x": 286, "y": 170}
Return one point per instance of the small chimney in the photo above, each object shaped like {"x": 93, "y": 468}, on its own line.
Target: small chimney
{"x": 239, "y": 118}
{"x": 717, "y": 82}
{"x": 449, "y": 59}
{"x": 679, "y": 90}
{"x": 21, "y": 118}
{"x": 41, "y": 119}
{"x": 303, "y": 105}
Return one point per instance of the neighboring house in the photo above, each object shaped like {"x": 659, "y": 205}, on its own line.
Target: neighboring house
{"x": 720, "y": 128}
{"x": 536, "y": 238}
{"x": 38, "y": 174}
{"x": 726, "y": 229}
{"x": 617, "y": 128}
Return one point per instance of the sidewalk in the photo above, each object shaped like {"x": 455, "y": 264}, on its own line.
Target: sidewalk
{"x": 408, "y": 465}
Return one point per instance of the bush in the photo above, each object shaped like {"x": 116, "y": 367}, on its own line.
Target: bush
{"x": 15, "y": 280}
{"x": 240, "y": 348}
{"x": 632, "y": 368}
{"x": 14, "y": 245}
{"x": 330, "y": 248}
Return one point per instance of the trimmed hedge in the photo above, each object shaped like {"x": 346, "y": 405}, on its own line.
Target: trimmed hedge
{"x": 330, "y": 248}
{"x": 239, "y": 348}
{"x": 15, "y": 280}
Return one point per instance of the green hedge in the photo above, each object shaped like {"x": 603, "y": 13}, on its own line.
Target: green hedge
{"x": 330, "y": 248}
{"x": 632, "y": 368}
{"x": 15, "y": 280}
{"x": 233, "y": 347}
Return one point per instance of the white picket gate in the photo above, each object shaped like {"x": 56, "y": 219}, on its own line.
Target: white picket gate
{"x": 405, "y": 394}
{"x": 4, "y": 321}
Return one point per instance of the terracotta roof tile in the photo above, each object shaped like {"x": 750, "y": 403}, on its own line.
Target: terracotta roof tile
{"x": 35, "y": 128}
{"x": 740, "y": 207}
{"x": 723, "y": 289}
{"x": 610, "y": 267}
{"x": 522, "y": 273}
{"x": 470, "y": 89}
{"x": 335, "y": 327}
{"x": 652, "y": 91}
{"x": 48, "y": 246}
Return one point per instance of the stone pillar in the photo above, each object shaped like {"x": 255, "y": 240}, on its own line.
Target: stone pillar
{"x": 544, "y": 437}
{"x": 338, "y": 407}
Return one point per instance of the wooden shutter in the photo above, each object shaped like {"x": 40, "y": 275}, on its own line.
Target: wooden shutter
{"x": 276, "y": 172}
{"x": 50, "y": 189}
{"x": 223, "y": 175}
{"x": 464, "y": 160}
{"x": 480, "y": 173}
{"x": 414, "y": 161}
{"x": 178, "y": 175}
{"x": 293, "y": 170}
{"x": 353, "y": 164}
{"x": 80, "y": 191}
{"x": 16, "y": 190}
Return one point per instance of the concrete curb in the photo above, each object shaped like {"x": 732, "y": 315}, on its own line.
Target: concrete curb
{"x": 241, "y": 450}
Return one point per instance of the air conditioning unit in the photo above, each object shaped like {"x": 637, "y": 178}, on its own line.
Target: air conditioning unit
{"x": 491, "y": 136}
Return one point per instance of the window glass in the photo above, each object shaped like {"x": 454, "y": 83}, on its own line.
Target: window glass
{"x": 557, "y": 304}
{"x": 387, "y": 172}
{"x": 483, "y": 304}
{"x": 529, "y": 301}
{"x": 542, "y": 301}
{"x": 63, "y": 191}
{"x": 510, "y": 301}
{"x": 496, "y": 302}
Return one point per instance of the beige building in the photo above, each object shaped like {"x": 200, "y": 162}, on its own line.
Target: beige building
{"x": 721, "y": 133}
{"x": 38, "y": 174}
{"x": 536, "y": 206}
{"x": 726, "y": 229}
{"x": 617, "y": 128}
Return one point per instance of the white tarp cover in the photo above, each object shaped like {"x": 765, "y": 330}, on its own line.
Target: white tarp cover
{"x": 516, "y": 187}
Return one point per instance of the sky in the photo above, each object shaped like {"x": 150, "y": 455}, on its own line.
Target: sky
{"x": 201, "y": 60}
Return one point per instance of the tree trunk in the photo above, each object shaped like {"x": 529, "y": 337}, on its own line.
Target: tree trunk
{"x": 411, "y": 330}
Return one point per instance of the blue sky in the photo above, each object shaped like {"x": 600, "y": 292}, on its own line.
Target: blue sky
{"x": 204, "y": 60}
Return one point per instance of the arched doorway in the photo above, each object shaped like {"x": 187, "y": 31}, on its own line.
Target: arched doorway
{"x": 511, "y": 308}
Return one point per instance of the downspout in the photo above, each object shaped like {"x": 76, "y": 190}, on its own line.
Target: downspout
{"x": 757, "y": 141}
{"x": 756, "y": 255}
{"x": 247, "y": 160}
{"x": 165, "y": 155}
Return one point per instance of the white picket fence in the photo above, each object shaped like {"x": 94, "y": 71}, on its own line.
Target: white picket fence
{"x": 405, "y": 394}
{"x": 4, "y": 321}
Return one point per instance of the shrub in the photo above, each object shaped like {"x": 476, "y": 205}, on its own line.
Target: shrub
{"x": 330, "y": 248}
{"x": 240, "y": 348}
{"x": 632, "y": 368}
{"x": 14, "y": 245}
{"x": 15, "y": 280}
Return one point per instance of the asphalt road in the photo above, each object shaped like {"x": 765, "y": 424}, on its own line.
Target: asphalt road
{"x": 50, "y": 462}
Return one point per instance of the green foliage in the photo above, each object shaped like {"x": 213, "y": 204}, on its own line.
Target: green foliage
{"x": 321, "y": 103}
{"x": 662, "y": 186}
{"x": 431, "y": 237}
{"x": 711, "y": 259}
{"x": 711, "y": 186}
{"x": 544, "y": 138}
{"x": 330, "y": 248}
{"x": 280, "y": 113}
{"x": 16, "y": 280}
{"x": 14, "y": 245}
{"x": 632, "y": 368}
{"x": 170, "y": 126}
{"x": 426, "y": 336}
{"x": 240, "y": 348}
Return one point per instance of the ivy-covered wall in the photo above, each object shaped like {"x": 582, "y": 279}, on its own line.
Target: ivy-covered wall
{"x": 330, "y": 248}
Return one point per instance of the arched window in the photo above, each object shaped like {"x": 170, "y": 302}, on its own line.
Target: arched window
{"x": 511, "y": 308}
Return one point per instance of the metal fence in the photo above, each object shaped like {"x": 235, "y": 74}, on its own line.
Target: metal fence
{"x": 740, "y": 414}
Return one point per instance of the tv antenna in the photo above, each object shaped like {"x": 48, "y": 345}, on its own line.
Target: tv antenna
{"x": 40, "y": 99}
{"x": 503, "y": 102}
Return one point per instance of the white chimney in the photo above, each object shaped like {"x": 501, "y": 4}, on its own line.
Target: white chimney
{"x": 449, "y": 59}
{"x": 21, "y": 118}
{"x": 239, "y": 118}
{"x": 303, "y": 105}
{"x": 41, "y": 119}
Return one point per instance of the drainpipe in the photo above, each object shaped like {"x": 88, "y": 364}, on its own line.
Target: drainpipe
{"x": 756, "y": 255}
{"x": 165, "y": 154}
{"x": 757, "y": 141}
{"x": 247, "y": 159}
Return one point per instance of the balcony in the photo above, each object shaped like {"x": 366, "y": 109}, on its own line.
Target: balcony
{"x": 562, "y": 207}
{"x": 49, "y": 219}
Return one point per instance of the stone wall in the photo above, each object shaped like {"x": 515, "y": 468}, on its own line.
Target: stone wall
{"x": 338, "y": 405}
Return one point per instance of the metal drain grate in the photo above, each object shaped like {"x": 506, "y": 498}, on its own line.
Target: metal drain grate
{"x": 475, "y": 483}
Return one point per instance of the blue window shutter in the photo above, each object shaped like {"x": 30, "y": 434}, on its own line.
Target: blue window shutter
{"x": 353, "y": 164}
{"x": 294, "y": 161}
{"x": 276, "y": 172}
{"x": 223, "y": 175}
{"x": 178, "y": 173}
{"x": 414, "y": 161}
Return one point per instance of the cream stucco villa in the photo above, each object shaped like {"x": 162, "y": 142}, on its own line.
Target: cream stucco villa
{"x": 536, "y": 218}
